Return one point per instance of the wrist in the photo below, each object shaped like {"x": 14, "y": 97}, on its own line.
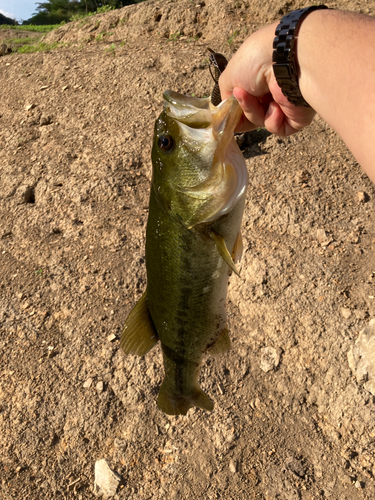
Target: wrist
{"x": 284, "y": 57}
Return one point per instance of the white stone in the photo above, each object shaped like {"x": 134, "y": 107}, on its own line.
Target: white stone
{"x": 106, "y": 480}
{"x": 87, "y": 384}
{"x": 346, "y": 313}
{"x": 361, "y": 357}
{"x": 270, "y": 358}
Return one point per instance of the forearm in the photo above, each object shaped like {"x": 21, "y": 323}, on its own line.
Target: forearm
{"x": 336, "y": 56}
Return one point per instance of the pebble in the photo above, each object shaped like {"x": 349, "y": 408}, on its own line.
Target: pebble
{"x": 106, "y": 480}
{"x": 233, "y": 466}
{"x": 346, "y": 313}
{"x": 100, "y": 386}
{"x": 361, "y": 358}
{"x": 45, "y": 120}
{"x": 269, "y": 359}
{"x": 362, "y": 197}
{"x": 87, "y": 384}
{"x": 296, "y": 466}
{"x": 322, "y": 238}
{"x": 111, "y": 337}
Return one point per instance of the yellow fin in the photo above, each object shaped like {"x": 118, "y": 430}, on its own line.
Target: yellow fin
{"x": 179, "y": 404}
{"x": 139, "y": 334}
{"x": 222, "y": 344}
{"x": 237, "y": 248}
{"x": 223, "y": 250}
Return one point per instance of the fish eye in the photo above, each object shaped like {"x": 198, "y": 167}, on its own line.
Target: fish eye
{"x": 165, "y": 143}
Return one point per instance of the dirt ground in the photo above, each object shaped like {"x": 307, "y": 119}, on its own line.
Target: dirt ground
{"x": 76, "y": 129}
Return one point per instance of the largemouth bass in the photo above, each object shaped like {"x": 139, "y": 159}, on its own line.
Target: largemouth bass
{"x": 193, "y": 240}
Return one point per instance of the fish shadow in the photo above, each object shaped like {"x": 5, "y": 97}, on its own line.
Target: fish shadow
{"x": 250, "y": 143}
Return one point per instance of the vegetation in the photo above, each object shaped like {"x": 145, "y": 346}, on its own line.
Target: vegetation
{"x": 40, "y": 47}
{"x": 6, "y": 20}
{"x": 32, "y": 27}
{"x": 57, "y": 11}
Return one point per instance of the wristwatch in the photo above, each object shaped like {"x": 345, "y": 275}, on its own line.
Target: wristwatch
{"x": 285, "y": 66}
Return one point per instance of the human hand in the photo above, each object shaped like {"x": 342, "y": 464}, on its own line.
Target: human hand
{"x": 249, "y": 76}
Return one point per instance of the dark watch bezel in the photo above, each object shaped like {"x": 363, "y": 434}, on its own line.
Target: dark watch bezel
{"x": 285, "y": 66}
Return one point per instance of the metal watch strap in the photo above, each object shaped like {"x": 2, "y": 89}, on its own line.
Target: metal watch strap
{"x": 285, "y": 66}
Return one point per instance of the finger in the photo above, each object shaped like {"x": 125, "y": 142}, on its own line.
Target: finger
{"x": 253, "y": 110}
{"x": 279, "y": 123}
{"x": 244, "y": 125}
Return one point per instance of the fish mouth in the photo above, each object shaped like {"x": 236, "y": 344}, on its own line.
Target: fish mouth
{"x": 224, "y": 121}
{"x": 227, "y": 177}
{"x": 189, "y": 110}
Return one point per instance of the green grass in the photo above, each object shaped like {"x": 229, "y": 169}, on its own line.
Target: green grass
{"x": 23, "y": 41}
{"x": 100, "y": 37}
{"x": 40, "y": 47}
{"x": 232, "y": 37}
{"x": 173, "y": 37}
{"x": 100, "y": 10}
{"x": 32, "y": 27}
{"x": 111, "y": 49}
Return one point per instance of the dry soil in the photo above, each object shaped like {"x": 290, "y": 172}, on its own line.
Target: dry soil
{"x": 76, "y": 130}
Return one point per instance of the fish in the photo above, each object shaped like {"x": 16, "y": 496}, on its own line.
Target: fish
{"x": 193, "y": 243}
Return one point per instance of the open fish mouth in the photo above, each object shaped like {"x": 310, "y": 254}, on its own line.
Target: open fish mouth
{"x": 226, "y": 179}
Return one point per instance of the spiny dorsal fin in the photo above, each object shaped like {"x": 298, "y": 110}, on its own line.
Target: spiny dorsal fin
{"x": 223, "y": 250}
{"x": 139, "y": 334}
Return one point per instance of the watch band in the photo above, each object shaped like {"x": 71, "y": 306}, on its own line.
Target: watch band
{"x": 285, "y": 66}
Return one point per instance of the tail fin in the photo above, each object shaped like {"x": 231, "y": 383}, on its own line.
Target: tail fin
{"x": 179, "y": 404}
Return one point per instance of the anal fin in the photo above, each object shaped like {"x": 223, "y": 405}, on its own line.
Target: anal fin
{"x": 223, "y": 250}
{"x": 139, "y": 334}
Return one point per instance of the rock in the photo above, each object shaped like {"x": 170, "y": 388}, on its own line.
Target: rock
{"x": 362, "y": 197}
{"x": 346, "y": 313}
{"x": 45, "y": 120}
{"x": 87, "y": 384}
{"x": 295, "y": 466}
{"x": 100, "y": 386}
{"x": 233, "y": 466}
{"x": 106, "y": 480}
{"x": 111, "y": 337}
{"x": 323, "y": 238}
{"x": 361, "y": 358}
{"x": 353, "y": 237}
{"x": 270, "y": 358}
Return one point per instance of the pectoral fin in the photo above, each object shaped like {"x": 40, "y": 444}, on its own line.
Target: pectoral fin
{"x": 139, "y": 334}
{"x": 223, "y": 250}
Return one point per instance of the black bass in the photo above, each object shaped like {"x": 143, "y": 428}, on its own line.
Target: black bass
{"x": 193, "y": 240}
